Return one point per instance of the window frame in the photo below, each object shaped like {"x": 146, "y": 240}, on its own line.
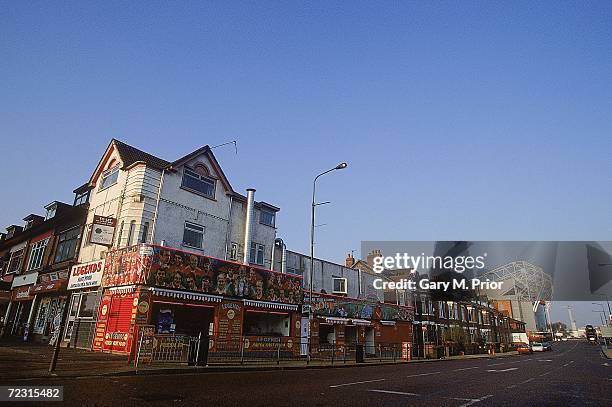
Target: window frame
{"x": 193, "y": 227}
{"x": 344, "y": 281}
{"x": 106, "y": 174}
{"x": 233, "y": 254}
{"x": 60, "y": 243}
{"x": 258, "y": 248}
{"x": 40, "y": 248}
{"x": 200, "y": 178}
{"x": 268, "y": 212}
{"x": 21, "y": 256}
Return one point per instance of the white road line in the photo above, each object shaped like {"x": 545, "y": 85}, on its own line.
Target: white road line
{"x": 400, "y": 393}
{"x": 423, "y": 374}
{"x": 473, "y": 401}
{"x": 465, "y": 368}
{"x": 527, "y": 381}
{"x": 353, "y": 383}
{"x": 497, "y": 364}
{"x": 502, "y": 370}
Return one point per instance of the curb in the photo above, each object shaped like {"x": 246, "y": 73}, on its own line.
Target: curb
{"x": 236, "y": 369}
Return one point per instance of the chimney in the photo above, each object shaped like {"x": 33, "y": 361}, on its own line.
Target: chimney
{"x": 248, "y": 224}
{"x": 350, "y": 261}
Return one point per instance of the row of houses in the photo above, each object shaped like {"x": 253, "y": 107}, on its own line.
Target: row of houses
{"x": 169, "y": 247}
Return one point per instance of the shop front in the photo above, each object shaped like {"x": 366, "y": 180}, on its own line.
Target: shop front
{"x": 21, "y": 306}
{"x": 178, "y": 293}
{"x": 51, "y": 297}
{"x": 343, "y": 321}
{"x": 84, "y": 300}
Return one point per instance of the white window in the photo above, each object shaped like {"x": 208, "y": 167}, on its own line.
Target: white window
{"x": 109, "y": 177}
{"x": 15, "y": 261}
{"x": 131, "y": 233}
{"x": 36, "y": 254}
{"x": 50, "y": 212}
{"x": 199, "y": 183}
{"x": 339, "y": 285}
{"x": 257, "y": 253}
{"x": 144, "y": 232}
{"x": 233, "y": 251}
{"x": 266, "y": 217}
{"x": 441, "y": 309}
{"x": 193, "y": 235}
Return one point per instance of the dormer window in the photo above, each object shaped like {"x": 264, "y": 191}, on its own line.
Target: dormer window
{"x": 50, "y": 212}
{"x": 266, "y": 217}
{"x": 109, "y": 177}
{"x": 197, "y": 180}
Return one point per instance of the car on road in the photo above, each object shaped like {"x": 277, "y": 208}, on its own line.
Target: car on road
{"x": 524, "y": 348}
{"x": 538, "y": 347}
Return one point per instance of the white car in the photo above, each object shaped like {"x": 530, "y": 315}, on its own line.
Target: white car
{"x": 537, "y": 347}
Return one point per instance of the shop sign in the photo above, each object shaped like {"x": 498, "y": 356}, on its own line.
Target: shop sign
{"x": 102, "y": 230}
{"x": 22, "y": 294}
{"x": 86, "y": 275}
{"x": 48, "y": 287}
{"x": 25, "y": 279}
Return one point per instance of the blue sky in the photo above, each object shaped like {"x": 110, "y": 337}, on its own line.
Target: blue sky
{"x": 471, "y": 120}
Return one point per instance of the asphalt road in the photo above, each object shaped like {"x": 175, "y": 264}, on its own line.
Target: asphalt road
{"x": 574, "y": 373}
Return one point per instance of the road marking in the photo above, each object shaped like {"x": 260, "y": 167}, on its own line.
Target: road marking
{"x": 472, "y": 401}
{"x": 497, "y": 364}
{"x": 545, "y": 360}
{"x": 350, "y": 384}
{"x": 400, "y": 393}
{"x": 423, "y": 374}
{"x": 465, "y": 368}
{"x": 502, "y": 370}
{"x": 527, "y": 381}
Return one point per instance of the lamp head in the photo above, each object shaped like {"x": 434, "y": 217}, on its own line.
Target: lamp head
{"x": 341, "y": 166}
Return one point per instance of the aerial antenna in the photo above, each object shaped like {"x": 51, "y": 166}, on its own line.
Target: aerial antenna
{"x": 234, "y": 142}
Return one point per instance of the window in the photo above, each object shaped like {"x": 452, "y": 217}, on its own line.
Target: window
{"x": 109, "y": 177}
{"x": 144, "y": 232}
{"x": 36, "y": 254}
{"x": 234, "y": 251}
{"x": 50, "y": 212}
{"x": 199, "y": 183}
{"x": 88, "y": 305}
{"x": 193, "y": 235}
{"x": 339, "y": 285}
{"x": 15, "y": 261}
{"x": 257, "y": 253}
{"x": 81, "y": 198}
{"x": 266, "y": 217}
{"x": 66, "y": 244}
{"x": 131, "y": 233}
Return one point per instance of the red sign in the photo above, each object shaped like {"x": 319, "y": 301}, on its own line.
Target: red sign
{"x": 22, "y": 293}
{"x": 58, "y": 285}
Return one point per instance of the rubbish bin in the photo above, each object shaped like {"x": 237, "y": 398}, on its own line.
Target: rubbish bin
{"x": 359, "y": 353}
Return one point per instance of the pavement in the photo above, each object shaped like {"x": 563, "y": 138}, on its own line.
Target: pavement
{"x": 31, "y": 361}
{"x": 575, "y": 373}
{"x": 606, "y": 351}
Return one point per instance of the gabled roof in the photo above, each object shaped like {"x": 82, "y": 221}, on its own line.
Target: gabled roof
{"x": 206, "y": 150}
{"x": 130, "y": 155}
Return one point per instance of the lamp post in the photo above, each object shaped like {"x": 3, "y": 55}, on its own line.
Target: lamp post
{"x": 609, "y": 309}
{"x": 340, "y": 166}
{"x": 602, "y": 311}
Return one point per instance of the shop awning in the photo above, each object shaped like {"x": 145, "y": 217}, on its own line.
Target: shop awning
{"x": 271, "y": 305}
{"x": 185, "y": 295}
{"x": 364, "y": 322}
{"x": 126, "y": 289}
{"x": 337, "y": 320}
{"x": 388, "y": 323}
{"x": 54, "y": 286}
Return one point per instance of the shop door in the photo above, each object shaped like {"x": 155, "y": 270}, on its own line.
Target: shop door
{"x": 369, "y": 340}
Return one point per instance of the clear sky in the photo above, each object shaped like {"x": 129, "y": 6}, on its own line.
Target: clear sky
{"x": 459, "y": 120}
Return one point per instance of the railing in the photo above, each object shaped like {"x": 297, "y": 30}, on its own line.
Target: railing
{"x": 182, "y": 349}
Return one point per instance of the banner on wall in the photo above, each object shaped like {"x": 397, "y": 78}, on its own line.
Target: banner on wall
{"x": 179, "y": 270}
{"x": 343, "y": 307}
{"x": 86, "y": 275}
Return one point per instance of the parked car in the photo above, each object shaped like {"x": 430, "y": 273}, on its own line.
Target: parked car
{"x": 524, "y": 348}
{"x": 547, "y": 345}
{"x": 538, "y": 347}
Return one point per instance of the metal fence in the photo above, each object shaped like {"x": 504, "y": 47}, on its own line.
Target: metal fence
{"x": 182, "y": 349}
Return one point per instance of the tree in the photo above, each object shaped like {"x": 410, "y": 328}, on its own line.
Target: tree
{"x": 559, "y": 327}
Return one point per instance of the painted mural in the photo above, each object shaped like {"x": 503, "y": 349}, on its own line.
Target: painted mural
{"x": 334, "y": 306}
{"x": 175, "y": 269}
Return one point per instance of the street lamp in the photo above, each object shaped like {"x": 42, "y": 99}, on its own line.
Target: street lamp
{"x": 609, "y": 309}
{"x": 340, "y": 166}
{"x": 602, "y": 311}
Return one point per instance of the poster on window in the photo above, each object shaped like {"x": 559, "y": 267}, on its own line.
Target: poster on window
{"x": 102, "y": 230}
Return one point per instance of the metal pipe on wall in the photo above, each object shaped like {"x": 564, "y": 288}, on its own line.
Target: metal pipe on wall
{"x": 248, "y": 226}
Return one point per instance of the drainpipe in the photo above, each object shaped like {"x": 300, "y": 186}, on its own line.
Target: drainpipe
{"x": 248, "y": 226}
{"x": 229, "y": 227}
{"x": 161, "y": 183}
